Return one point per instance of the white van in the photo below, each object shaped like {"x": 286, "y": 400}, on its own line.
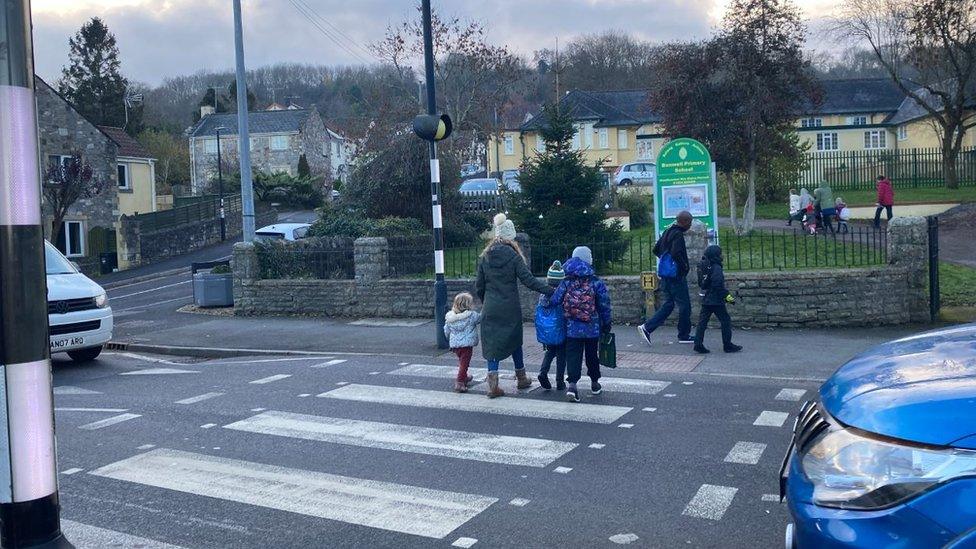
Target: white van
{"x": 78, "y": 313}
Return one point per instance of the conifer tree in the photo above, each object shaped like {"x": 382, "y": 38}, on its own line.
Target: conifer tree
{"x": 92, "y": 81}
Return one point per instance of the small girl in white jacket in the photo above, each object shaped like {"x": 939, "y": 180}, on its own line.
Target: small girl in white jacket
{"x": 461, "y": 328}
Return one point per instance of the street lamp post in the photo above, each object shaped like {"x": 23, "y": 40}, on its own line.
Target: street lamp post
{"x": 243, "y": 137}
{"x": 220, "y": 187}
{"x": 29, "y": 507}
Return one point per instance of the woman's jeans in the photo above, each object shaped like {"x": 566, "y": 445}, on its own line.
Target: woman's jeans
{"x": 517, "y": 357}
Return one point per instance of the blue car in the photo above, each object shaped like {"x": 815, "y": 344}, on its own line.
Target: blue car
{"x": 886, "y": 456}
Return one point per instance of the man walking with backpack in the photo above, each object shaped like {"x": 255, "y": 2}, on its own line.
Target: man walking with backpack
{"x": 672, "y": 269}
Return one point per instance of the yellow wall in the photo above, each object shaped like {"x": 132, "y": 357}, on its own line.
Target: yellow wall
{"x": 141, "y": 196}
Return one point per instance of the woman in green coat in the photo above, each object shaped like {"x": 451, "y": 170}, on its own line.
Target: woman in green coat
{"x": 500, "y": 269}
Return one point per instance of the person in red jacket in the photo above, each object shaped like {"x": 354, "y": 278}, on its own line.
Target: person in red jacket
{"x": 886, "y": 199}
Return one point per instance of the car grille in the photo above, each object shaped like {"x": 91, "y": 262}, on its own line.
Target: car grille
{"x": 809, "y": 423}
{"x": 63, "y": 329}
{"x": 65, "y": 306}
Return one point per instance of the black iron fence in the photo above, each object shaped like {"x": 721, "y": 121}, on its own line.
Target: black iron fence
{"x": 334, "y": 259}
{"x": 785, "y": 249}
{"x": 858, "y": 170}
{"x": 193, "y": 212}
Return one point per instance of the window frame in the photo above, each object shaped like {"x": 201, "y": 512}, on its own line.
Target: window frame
{"x": 210, "y": 145}
{"x": 859, "y": 120}
{"x": 902, "y": 133}
{"x": 123, "y": 169}
{"x": 508, "y": 143}
{"x": 540, "y": 143}
{"x": 828, "y": 138}
{"x": 277, "y": 140}
{"x": 66, "y": 234}
{"x": 588, "y": 135}
{"x": 603, "y": 138}
{"x": 578, "y": 137}
{"x": 811, "y": 122}
{"x": 623, "y": 140}
{"x": 872, "y": 144}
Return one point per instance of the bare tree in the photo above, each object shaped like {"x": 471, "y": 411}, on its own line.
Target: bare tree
{"x": 928, "y": 48}
{"x": 66, "y": 183}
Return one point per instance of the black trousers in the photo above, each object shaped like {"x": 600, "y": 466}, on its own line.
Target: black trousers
{"x": 877, "y": 215}
{"x": 724, "y": 319}
{"x": 557, "y": 352}
{"x": 575, "y": 351}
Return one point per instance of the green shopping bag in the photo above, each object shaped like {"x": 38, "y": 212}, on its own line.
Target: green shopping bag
{"x": 608, "y": 350}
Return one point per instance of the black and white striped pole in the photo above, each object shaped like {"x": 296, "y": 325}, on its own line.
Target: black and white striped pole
{"x": 29, "y": 507}
{"x": 434, "y": 127}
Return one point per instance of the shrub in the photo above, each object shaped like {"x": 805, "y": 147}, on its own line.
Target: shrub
{"x": 221, "y": 269}
{"x": 639, "y": 206}
{"x": 397, "y": 226}
{"x": 459, "y": 233}
{"x": 335, "y": 222}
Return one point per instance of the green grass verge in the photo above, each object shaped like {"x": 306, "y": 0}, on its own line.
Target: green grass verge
{"x": 957, "y": 285}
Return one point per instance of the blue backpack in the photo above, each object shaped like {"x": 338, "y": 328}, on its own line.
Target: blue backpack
{"x": 666, "y": 267}
{"x": 550, "y": 326}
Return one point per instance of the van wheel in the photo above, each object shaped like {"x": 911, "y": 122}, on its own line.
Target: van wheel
{"x": 626, "y": 183}
{"x": 85, "y": 355}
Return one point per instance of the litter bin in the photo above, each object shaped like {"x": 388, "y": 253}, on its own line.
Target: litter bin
{"x": 215, "y": 286}
{"x": 109, "y": 262}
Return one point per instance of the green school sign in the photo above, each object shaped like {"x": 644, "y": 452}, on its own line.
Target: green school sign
{"x": 685, "y": 180}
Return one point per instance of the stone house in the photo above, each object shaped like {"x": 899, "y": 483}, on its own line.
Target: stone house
{"x": 279, "y": 138}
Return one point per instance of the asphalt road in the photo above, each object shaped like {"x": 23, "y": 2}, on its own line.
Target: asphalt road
{"x": 372, "y": 451}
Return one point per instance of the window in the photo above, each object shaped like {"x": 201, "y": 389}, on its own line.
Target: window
{"x": 210, "y": 146}
{"x": 827, "y": 141}
{"x": 875, "y": 139}
{"x": 509, "y": 145}
{"x": 902, "y": 133}
{"x": 124, "y": 177}
{"x": 577, "y": 143}
{"x": 604, "y": 136}
{"x": 811, "y": 122}
{"x": 71, "y": 241}
{"x": 279, "y": 143}
{"x": 857, "y": 120}
{"x": 622, "y": 139}
{"x": 57, "y": 160}
{"x": 645, "y": 149}
{"x": 540, "y": 144}
{"x": 588, "y": 135}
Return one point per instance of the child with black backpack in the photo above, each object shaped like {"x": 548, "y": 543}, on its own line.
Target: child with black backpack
{"x": 586, "y": 305}
{"x": 715, "y": 296}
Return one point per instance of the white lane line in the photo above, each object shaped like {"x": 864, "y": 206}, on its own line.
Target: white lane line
{"x": 154, "y": 304}
{"x": 383, "y": 505}
{"x": 334, "y": 362}
{"x": 710, "y": 502}
{"x": 616, "y": 384}
{"x": 597, "y": 446}
{"x": 626, "y": 425}
{"x": 84, "y": 536}
{"x": 562, "y": 470}
{"x": 747, "y": 453}
{"x": 648, "y": 409}
{"x": 270, "y": 379}
{"x": 670, "y": 395}
{"x": 69, "y": 390}
{"x": 268, "y": 360}
{"x": 108, "y": 422}
{"x": 519, "y": 502}
{"x": 304, "y": 395}
{"x": 467, "y": 402}
{"x": 770, "y": 498}
{"x": 687, "y": 382}
{"x": 464, "y": 543}
{"x": 198, "y": 398}
{"x": 531, "y": 452}
{"x": 375, "y": 373}
{"x": 71, "y": 471}
{"x": 146, "y": 447}
{"x": 771, "y": 419}
{"x": 624, "y": 539}
{"x": 145, "y": 358}
{"x": 117, "y": 297}
{"x": 94, "y": 410}
{"x": 208, "y": 425}
{"x": 258, "y": 409}
{"x": 158, "y": 372}
{"x": 793, "y": 395}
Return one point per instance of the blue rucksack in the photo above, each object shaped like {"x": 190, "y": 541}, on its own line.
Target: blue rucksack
{"x": 550, "y": 326}
{"x": 666, "y": 267}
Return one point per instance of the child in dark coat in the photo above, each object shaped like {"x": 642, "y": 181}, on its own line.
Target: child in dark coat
{"x": 554, "y": 277}
{"x": 711, "y": 279}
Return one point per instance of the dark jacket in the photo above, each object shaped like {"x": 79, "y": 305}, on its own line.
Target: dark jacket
{"x": 715, "y": 290}
{"x": 673, "y": 240}
{"x": 577, "y": 269}
{"x": 499, "y": 272}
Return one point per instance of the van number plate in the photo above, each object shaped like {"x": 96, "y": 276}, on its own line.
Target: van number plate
{"x": 67, "y": 342}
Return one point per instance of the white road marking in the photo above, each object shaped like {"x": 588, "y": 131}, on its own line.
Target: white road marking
{"x": 791, "y": 394}
{"x": 304, "y": 395}
{"x": 153, "y": 304}
{"x": 687, "y": 382}
{"x": 562, "y": 470}
{"x": 258, "y": 409}
{"x": 83, "y": 536}
{"x": 648, "y": 409}
{"x": 597, "y": 446}
{"x": 375, "y": 373}
{"x": 69, "y": 390}
{"x": 771, "y": 419}
{"x": 108, "y": 422}
{"x": 208, "y": 425}
{"x": 198, "y": 398}
{"x": 626, "y": 425}
{"x": 158, "y": 372}
{"x": 747, "y": 453}
{"x": 771, "y": 498}
{"x": 670, "y": 395}
{"x": 71, "y": 471}
{"x": 334, "y": 362}
{"x": 464, "y": 543}
{"x": 616, "y": 384}
{"x": 268, "y": 360}
{"x": 115, "y": 298}
{"x": 710, "y": 502}
{"x": 341, "y": 383}
{"x": 624, "y": 539}
{"x": 270, "y": 379}
{"x": 146, "y": 447}
{"x": 145, "y": 358}
{"x": 565, "y": 411}
{"x": 519, "y": 502}
{"x": 531, "y": 452}
{"x": 94, "y": 410}
{"x": 383, "y": 505}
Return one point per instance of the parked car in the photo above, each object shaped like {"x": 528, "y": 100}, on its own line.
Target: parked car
{"x": 480, "y": 195}
{"x": 79, "y": 318}
{"x": 510, "y": 180}
{"x": 467, "y": 170}
{"x": 638, "y": 173}
{"x": 282, "y": 231}
{"x": 886, "y": 455}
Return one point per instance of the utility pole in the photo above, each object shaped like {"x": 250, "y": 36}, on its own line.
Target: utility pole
{"x": 220, "y": 187}
{"x": 244, "y": 136}
{"x": 29, "y": 506}
{"x": 440, "y": 285}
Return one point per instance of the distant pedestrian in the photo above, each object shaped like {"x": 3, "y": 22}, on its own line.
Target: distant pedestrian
{"x": 711, "y": 280}
{"x": 501, "y": 268}
{"x": 806, "y": 200}
{"x": 586, "y": 304}
{"x": 796, "y": 214}
{"x": 551, "y": 331}
{"x": 823, "y": 201}
{"x": 886, "y": 199}
{"x": 461, "y": 329}
{"x": 673, "y": 270}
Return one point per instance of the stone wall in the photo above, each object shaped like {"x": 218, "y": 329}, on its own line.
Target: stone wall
{"x": 881, "y": 295}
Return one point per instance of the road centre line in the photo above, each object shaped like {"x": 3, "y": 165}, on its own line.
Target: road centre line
{"x": 150, "y": 290}
{"x": 270, "y": 379}
{"x": 199, "y": 398}
{"x": 108, "y": 422}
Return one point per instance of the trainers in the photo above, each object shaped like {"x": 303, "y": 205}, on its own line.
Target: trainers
{"x": 595, "y": 387}
{"x": 644, "y": 333}
{"x": 560, "y": 385}
{"x": 544, "y": 381}
{"x": 701, "y": 350}
{"x": 733, "y": 348}
{"x": 686, "y": 340}
{"x": 572, "y": 393}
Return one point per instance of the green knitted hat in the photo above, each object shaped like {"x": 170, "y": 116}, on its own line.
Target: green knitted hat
{"x": 556, "y": 272}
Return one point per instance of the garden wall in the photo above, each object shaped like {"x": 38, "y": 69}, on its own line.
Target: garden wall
{"x": 891, "y": 294}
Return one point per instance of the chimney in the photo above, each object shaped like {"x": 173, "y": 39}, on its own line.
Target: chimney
{"x": 206, "y": 110}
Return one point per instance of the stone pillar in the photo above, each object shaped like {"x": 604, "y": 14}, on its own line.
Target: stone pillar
{"x": 129, "y": 241}
{"x": 908, "y": 248}
{"x": 244, "y": 263}
{"x": 372, "y": 260}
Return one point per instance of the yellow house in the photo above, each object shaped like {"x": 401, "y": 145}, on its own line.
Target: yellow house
{"x": 615, "y": 127}
{"x": 136, "y": 174}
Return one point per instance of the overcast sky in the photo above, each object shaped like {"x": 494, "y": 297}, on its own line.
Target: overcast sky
{"x": 161, "y": 38}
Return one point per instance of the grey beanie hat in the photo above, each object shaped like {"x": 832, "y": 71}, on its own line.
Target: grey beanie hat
{"x": 584, "y": 253}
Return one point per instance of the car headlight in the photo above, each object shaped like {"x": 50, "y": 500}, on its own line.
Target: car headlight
{"x": 851, "y": 471}
{"x": 101, "y": 301}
